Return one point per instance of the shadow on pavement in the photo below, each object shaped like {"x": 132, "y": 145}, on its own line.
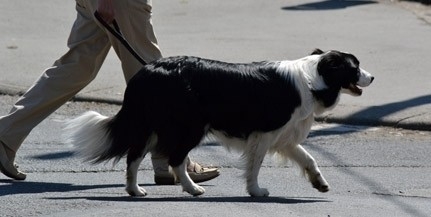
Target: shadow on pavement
{"x": 374, "y": 113}
{"x": 18, "y": 187}
{"x": 245, "y": 199}
{"x": 25, "y": 187}
{"x": 328, "y": 5}
{"x": 54, "y": 156}
{"x": 374, "y": 116}
{"x": 425, "y": 2}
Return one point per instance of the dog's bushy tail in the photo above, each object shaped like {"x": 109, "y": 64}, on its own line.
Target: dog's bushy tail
{"x": 92, "y": 135}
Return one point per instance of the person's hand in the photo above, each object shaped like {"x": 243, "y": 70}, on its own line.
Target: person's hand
{"x": 106, "y": 10}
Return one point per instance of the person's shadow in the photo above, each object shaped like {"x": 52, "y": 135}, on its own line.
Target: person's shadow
{"x": 10, "y": 187}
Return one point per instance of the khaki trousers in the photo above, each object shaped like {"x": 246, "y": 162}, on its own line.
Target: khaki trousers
{"x": 88, "y": 44}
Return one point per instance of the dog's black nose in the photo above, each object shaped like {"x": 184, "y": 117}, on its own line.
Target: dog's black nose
{"x": 372, "y": 79}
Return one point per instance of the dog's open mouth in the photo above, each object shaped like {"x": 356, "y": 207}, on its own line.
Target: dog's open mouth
{"x": 355, "y": 89}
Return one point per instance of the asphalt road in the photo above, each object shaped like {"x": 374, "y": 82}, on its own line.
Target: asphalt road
{"x": 372, "y": 172}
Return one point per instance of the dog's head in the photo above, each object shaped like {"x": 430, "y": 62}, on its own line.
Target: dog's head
{"x": 341, "y": 71}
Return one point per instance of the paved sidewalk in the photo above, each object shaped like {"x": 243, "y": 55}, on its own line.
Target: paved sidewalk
{"x": 392, "y": 42}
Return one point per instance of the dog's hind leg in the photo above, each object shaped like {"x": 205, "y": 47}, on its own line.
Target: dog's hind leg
{"x": 134, "y": 159}
{"x": 186, "y": 182}
{"x": 132, "y": 186}
{"x": 254, "y": 154}
{"x": 309, "y": 165}
{"x": 190, "y": 137}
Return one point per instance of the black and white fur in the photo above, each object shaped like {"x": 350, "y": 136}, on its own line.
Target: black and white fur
{"x": 257, "y": 108}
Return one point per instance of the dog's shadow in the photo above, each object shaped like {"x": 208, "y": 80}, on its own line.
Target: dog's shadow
{"x": 10, "y": 187}
{"x": 203, "y": 199}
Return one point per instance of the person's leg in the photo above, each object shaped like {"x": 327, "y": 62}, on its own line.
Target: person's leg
{"x": 137, "y": 28}
{"x": 134, "y": 20}
{"x": 88, "y": 47}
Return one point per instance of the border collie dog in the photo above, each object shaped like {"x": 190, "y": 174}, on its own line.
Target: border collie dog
{"x": 171, "y": 104}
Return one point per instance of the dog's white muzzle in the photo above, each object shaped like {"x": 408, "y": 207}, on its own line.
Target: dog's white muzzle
{"x": 365, "y": 79}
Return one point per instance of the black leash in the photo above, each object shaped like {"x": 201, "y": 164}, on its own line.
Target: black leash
{"x": 117, "y": 33}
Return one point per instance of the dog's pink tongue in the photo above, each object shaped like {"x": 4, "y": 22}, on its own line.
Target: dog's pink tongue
{"x": 355, "y": 89}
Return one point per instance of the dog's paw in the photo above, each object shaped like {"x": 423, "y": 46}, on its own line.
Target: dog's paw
{"x": 136, "y": 191}
{"x": 320, "y": 184}
{"x": 258, "y": 192}
{"x": 322, "y": 187}
{"x": 194, "y": 190}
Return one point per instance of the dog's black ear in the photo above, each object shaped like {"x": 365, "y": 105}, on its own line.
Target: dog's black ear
{"x": 317, "y": 51}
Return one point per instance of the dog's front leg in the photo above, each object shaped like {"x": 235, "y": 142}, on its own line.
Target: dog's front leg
{"x": 309, "y": 165}
{"x": 254, "y": 155}
{"x": 252, "y": 173}
{"x": 187, "y": 183}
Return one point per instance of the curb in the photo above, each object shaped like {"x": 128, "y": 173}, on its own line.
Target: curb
{"x": 77, "y": 98}
{"x": 358, "y": 121}
{"x": 420, "y": 9}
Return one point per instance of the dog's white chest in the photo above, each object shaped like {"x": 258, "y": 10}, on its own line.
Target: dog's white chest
{"x": 293, "y": 133}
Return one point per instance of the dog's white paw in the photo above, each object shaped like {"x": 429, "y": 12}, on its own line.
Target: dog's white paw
{"x": 136, "y": 191}
{"x": 320, "y": 183}
{"x": 194, "y": 190}
{"x": 258, "y": 192}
